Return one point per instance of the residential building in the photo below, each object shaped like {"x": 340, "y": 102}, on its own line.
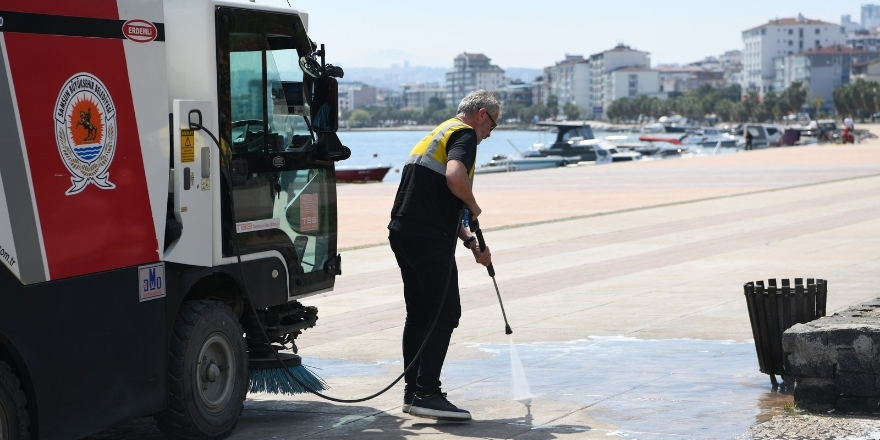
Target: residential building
{"x": 388, "y": 96}
{"x": 539, "y": 90}
{"x": 418, "y": 96}
{"x": 472, "y": 71}
{"x": 864, "y": 42}
{"x": 355, "y": 95}
{"x": 602, "y": 83}
{"x": 516, "y": 92}
{"x": 868, "y": 71}
{"x": 362, "y": 95}
{"x": 821, "y": 70}
{"x": 848, "y": 26}
{"x": 570, "y": 81}
{"x": 870, "y": 17}
{"x": 675, "y": 78}
{"x": 731, "y": 58}
{"x": 629, "y": 82}
{"x": 778, "y": 38}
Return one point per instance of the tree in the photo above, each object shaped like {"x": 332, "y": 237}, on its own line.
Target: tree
{"x": 553, "y": 105}
{"x": 795, "y": 96}
{"x": 751, "y": 103}
{"x": 572, "y": 111}
{"x": 359, "y": 118}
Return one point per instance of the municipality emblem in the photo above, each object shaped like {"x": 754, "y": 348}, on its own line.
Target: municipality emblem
{"x": 85, "y": 130}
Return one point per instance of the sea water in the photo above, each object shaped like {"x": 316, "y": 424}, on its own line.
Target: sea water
{"x": 392, "y": 147}
{"x": 521, "y": 390}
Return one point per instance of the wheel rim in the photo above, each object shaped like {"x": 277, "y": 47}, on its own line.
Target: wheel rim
{"x": 215, "y": 372}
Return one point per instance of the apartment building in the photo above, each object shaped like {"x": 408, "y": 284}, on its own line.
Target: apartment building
{"x": 570, "y": 81}
{"x": 821, "y": 70}
{"x": 778, "y": 38}
{"x": 472, "y": 71}
{"x": 605, "y": 86}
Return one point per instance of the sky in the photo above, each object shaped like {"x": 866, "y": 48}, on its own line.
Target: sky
{"x": 520, "y": 33}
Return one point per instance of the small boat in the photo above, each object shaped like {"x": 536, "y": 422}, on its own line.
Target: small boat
{"x": 572, "y": 141}
{"x": 671, "y": 140}
{"x": 346, "y": 173}
{"x": 501, "y": 163}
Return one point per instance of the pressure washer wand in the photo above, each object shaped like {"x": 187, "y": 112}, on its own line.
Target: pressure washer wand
{"x": 475, "y": 228}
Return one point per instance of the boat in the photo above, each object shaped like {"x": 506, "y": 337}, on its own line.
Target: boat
{"x": 606, "y": 150}
{"x": 501, "y": 163}
{"x": 365, "y": 173}
{"x": 671, "y": 140}
{"x": 569, "y": 143}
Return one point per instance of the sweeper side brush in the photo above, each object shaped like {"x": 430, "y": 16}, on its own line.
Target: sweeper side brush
{"x": 266, "y": 377}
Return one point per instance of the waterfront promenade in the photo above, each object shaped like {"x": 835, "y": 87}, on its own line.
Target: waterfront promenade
{"x": 650, "y": 250}
{"x": 623, "y": 285}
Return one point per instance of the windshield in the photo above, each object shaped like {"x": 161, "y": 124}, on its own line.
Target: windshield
{"x": 267, "y": 105}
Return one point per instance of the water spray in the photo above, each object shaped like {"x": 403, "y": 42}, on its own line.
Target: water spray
{"x": 521, "y": 390}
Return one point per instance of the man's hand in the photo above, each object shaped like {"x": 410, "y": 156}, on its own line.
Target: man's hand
{"x": 475, "y": 211}
{"x": 483, "y": 257}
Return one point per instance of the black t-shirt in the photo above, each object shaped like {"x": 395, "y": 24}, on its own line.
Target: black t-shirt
{"x": 424, "y": 205}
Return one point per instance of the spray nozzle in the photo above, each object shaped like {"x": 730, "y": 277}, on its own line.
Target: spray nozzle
{"x": 507, "y": 330}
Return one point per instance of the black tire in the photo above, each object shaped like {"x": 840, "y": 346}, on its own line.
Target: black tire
{"x": 14, "y": 420}
{"x": 207, "y": 373}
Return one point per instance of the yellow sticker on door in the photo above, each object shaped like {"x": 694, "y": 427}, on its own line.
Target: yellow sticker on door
{"x": 187, "y": 146}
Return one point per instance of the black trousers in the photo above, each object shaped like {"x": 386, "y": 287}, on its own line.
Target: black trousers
{"x": 424, "y": 266}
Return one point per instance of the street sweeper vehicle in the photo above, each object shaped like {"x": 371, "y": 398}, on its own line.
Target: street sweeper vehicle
{"x": 167, "y": 198}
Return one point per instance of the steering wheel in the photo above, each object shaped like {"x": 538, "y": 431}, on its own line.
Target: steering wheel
{"x": 242, "y": 143}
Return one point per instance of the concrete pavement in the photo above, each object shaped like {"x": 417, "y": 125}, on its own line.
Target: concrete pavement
{"x": 623, "y": 284}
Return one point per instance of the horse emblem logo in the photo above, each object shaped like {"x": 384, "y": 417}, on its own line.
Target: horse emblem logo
{"x": 85, "y": 130}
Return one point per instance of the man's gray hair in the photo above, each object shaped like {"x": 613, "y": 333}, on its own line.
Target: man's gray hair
{"x": 474, "y": 101}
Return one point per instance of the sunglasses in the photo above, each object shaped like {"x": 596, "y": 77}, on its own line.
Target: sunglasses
{"x": 493, "y": 122}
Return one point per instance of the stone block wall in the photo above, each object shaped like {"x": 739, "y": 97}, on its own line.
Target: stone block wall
{"x": 834, "y": 360}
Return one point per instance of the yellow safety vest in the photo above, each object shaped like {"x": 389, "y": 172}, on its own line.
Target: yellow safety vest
{"x": 431, "y": 153}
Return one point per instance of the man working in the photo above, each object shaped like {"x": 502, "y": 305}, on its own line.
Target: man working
{"x": 435, "y": 186}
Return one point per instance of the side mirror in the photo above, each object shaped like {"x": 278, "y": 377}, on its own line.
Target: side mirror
{"x": 325, "y": 103}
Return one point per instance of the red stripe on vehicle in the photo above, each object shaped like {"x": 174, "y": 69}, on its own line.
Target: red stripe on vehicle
{"x": 91, "y": 8}
{"x": 86, "y": 228}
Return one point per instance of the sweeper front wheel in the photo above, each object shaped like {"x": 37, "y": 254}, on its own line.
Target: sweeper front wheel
{"x": 14, "y": 419}
{"x": 207, "y": 373}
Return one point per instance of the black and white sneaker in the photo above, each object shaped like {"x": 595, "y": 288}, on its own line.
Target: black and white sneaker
{"x": 408, "y": 397}
{"x": 435, "y": 406}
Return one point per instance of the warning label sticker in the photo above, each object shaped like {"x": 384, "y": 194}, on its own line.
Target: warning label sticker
{"x": 308, "y": 209}
{"x": 187, "y": 146}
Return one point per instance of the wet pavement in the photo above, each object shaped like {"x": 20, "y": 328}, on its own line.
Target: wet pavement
{"x": 625, "y": 299}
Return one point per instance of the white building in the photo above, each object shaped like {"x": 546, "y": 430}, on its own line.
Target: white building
{"x": 418, "y": 96}
{"x": 868, "y": 71}
{"x": 864, "y": 42}
{"x": 848, "y": 26}
{"x": 870, "y": 17}
{"x": 629, "y": 82}
{"x": 602, "y": 83}
{"x": 569, "y": 80}
{"x": 730, "y": 58}
{"x": 777, "y": 38}
{"x": 472, "y": 71}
